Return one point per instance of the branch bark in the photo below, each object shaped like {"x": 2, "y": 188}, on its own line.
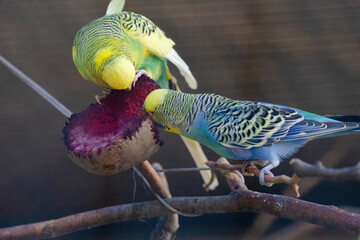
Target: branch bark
{"x": 244, "y": 201}
{"x": 233, "y": 179}
{"x": 303, "y": 169}
{"x": 264, "y": 221}
{"x": 252, "y": 170}
{"x": 168, "y": 225}
{"x": 154, "y": 179}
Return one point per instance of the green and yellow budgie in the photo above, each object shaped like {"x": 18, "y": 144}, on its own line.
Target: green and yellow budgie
{"x": 244, "y": 130}
{"x": 116, "y": 49}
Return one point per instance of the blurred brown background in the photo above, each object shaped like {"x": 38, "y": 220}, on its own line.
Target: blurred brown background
{"x": 304, "y": 54}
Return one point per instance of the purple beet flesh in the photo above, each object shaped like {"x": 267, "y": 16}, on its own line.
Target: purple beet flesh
{"x": 113, "y": 129}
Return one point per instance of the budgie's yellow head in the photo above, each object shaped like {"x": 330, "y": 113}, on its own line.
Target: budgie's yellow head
{"x": 154, "y": 100}
{"x": 118, "y": 73}
{"x": 163, "y": 110}
{"x": 106, "y": 66}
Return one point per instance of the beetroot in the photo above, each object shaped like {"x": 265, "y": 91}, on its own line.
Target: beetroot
{"x": 113, "y": 136}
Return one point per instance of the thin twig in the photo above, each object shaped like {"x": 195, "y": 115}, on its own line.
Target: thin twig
{"x": 303, "y": 169}
{"x": 264, "y": 221}
{"x": 244, "y": 201}
{"x": 158, "y": 197}
{"x": 158, "y": 168}
{"x": 146, "y": 172}
{"x": 190, "y": 169}
{"x": 36, "y": 87}
{"x": 153, "y": 178}
{"x": 225, "y": 166}
{"x": 167, "y": 225}
{"x": 252, "y": 170}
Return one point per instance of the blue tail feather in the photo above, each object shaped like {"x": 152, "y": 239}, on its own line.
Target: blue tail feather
{"x": 347, "y": 119}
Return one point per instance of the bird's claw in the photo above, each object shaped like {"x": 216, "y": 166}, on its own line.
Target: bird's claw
{"x": 252, "y": 163}
{"x": 138, "y": 74}
{"x": 244, "y": 165}
{"x": 264, "y": 171}
{"x": 99, "y": 98}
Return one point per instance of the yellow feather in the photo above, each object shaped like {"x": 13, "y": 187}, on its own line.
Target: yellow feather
{"x": 156, "y": 42}
{"x": 101, "y": 56}
{"x": 160, "y": 46}
{"x": 154, "y": 99}
{"x": 74, "y": 53}
{"x": 119, "y": 73}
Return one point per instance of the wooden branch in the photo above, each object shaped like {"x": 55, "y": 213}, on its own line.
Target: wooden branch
{"x": 154, "y": 183}
{"x": 158, "y": 168}
{"x": 303, "y": 169}
{"x": 264, "y": 221}
{"x": 252, "y": 170}
{"x": 168, "y": 225}
{"x": 225, "y": 166}
{"x": 153, "y": 178}
{"x": 233, "y": 179}
{"x": 245, "y": 201}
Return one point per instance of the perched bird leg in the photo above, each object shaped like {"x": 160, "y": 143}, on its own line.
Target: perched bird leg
{"x": 291, "y": 181}
{"x": 167, "y": 225}
{"x": 245, "y": 167}
{"x": 266, "y": 170}
{"x": 248, "y": 168}
{"x": 139, "y": 73}
{"x": 252, "y": 163}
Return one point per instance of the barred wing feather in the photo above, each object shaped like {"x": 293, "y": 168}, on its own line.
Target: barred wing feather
{"x": 251, "y": 124}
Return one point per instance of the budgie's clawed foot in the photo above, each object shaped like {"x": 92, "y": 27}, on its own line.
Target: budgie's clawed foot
{"x": 99, "y": 98}
{"x": 252, "y": 163}
{"x": 266, "y": 170}
{"x": 139, "y": 73}
{"x": 244, "y": 166}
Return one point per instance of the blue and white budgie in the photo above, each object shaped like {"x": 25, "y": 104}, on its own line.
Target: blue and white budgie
{"x": 243, "y": 130}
